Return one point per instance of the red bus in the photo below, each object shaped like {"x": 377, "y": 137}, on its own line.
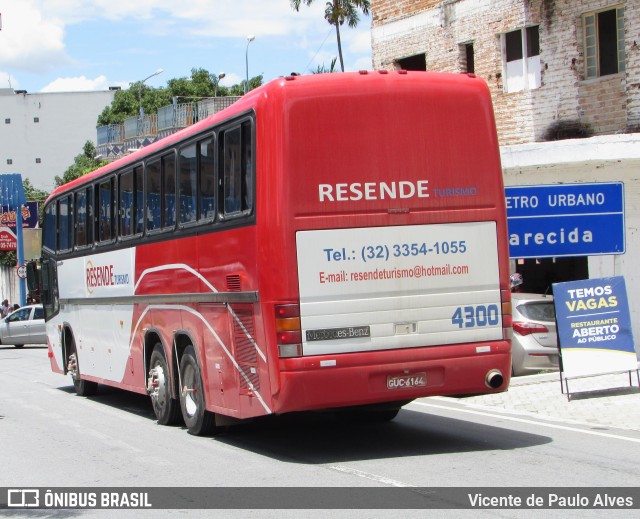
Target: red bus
{"x": 333, "y": 241}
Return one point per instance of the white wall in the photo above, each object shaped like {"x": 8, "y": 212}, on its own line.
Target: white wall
{"x": 9, "y": 288}
{"x": 66, "y": 121}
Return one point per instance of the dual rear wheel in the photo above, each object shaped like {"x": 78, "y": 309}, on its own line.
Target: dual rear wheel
{"x": 191, "y": 401}
{"x": 166, "y": 408}
{"x": 196, "y": 417}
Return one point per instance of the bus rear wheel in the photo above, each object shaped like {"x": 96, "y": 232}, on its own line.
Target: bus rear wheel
{"x": 167, "y": 409}
{"x": 198, "y": 420}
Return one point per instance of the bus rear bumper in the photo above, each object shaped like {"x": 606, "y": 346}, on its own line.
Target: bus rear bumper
{"x": 353, "y": 379}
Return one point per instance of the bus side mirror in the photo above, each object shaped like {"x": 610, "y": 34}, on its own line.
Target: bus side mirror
{"x": 33, "y": 278}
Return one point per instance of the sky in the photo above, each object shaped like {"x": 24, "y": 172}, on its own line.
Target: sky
{"x": 81, "y": 45}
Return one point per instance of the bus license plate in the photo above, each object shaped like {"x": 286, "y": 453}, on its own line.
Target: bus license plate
{"x": 407, "y": 381}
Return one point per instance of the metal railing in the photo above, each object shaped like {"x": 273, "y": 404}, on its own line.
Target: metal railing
{"x": 169, "y": 119}
{"x": 110, "y": 133}
{"x": 176, "y": 116}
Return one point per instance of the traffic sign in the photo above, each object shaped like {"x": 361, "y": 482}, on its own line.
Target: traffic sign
{"x": 565, "y": 220}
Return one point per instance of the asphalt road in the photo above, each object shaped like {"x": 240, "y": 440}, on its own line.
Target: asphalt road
{"x": 49, "y": 437}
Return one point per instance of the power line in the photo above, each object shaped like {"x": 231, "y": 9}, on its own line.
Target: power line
{"x": 319, "y": 48}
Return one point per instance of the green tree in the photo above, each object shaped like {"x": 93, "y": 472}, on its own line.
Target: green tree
{"x": 336, "y": 13}
{"x": 126, "y": 103}
{"x": 84, "y": 163}
{"x": 238, "y": 90}
{"x": 201, "y": 84}
{"x": 33, "y": 194}
{"x": 322, "y": 69}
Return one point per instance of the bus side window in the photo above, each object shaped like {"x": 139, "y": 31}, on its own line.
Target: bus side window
{"x": 65, "y": 234}
{"x": 90, "y": 215}
{"x": 138, "y": 178}
{"x": 81, "y": 218}
{"x": 230, "y": 170}
{"x": 207, "y": 192}
{"x": 50, "y": 226}
{"x": 188, "y": 182}
{"x": 126, "y": 203}
{"x": 169, "y": 190}
{"x": 106, "y": 212}
{"x": 153, "y": 206}
{"x": 247, "y": 166}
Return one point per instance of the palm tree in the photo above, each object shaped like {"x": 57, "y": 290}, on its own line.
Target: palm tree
{"x": 336, "y": 13}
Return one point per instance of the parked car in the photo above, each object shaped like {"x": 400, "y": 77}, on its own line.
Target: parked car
{"x": 535, "y": 343}
{"x": 24, "y": 326}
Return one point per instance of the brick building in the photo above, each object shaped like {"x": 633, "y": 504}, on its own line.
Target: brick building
{"x": 555, "y": 68}
{"x": 564, "y": 76}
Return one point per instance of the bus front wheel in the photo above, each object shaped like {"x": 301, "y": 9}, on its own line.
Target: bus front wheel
{"x": 167, "y": 409}
{"x": 82, "y": 387}
{"x": 198, "y": 420}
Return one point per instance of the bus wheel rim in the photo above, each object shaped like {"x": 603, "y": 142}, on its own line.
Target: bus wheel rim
{"x": 190, "y": 402}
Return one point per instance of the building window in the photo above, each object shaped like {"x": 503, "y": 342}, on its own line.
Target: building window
{"x": 36, "y": 119}
{"x": 521, "y": 59}
{"x": 604, "y": 43}
{"x": 417, "y": 62}
{"x": 7, "y": 121}
{"x": 9, "y": 161}
{"x": 467, "y": 58}
{"x": 38, "y": 161}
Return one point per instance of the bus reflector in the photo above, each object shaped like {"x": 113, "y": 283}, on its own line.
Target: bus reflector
{"x": 507, "y": 314}
{"x": 289, "y": 350}
{"x": 289, "y": 330}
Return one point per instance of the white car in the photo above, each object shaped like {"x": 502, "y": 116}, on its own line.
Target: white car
{"x": 24, "y": 326}
{"x": 534, "y": 346}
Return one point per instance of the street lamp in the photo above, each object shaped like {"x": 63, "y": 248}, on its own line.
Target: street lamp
{"x": 159, "y": 71}
{"x": 250, "y": 38}
{"x": 218, "y": 78}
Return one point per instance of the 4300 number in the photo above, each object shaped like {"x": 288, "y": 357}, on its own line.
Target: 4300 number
{"x": 476, "y": 316}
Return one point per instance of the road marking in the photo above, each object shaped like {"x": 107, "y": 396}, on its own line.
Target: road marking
{"x": 369, "y": 475}
{"x": 530, "y": 422}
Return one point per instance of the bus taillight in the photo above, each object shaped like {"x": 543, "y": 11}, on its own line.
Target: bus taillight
{"x": 507, "y": 315}
{"x": 288, "y": 330}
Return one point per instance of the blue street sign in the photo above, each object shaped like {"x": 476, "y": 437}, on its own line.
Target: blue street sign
{"x": 565, "y": 220}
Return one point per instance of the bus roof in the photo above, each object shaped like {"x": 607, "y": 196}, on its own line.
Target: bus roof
{"x": 308, "y": 86}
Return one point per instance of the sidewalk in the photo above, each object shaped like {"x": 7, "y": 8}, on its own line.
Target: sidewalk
{"x": 602, "y": 401}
